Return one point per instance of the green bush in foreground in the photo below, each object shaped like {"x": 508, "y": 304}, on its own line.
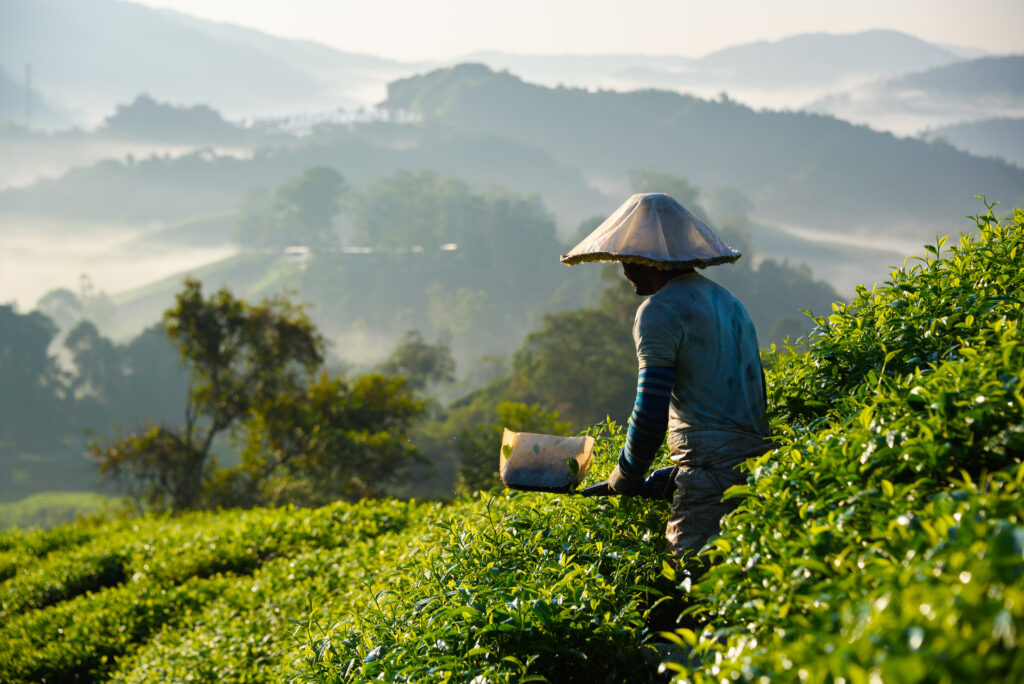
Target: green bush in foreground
{"x": 884, "y": 541}
{"x": 511, "y": 587}
{"x": 79, "y": 605}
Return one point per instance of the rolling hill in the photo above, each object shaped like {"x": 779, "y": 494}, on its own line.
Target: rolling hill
{"x": 163, "y": 188}
{"x": 13, "y": 106}
{"x": 89, "y": 55}
{"x": 977, "y": 89}
{"x": 784, "y": 73}
{"x": 1003, "y": 138}
{"x": 797, "y": 167}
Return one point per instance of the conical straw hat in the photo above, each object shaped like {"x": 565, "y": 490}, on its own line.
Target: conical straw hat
{"x": 656, "y": 230}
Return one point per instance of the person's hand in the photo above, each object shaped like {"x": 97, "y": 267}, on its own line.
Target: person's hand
{"x": 619, "y": 483}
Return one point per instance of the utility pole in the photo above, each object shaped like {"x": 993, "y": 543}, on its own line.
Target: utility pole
{"x": 28, "y": 95}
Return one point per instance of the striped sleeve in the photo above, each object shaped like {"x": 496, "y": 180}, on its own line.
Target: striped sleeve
{"x": 649, "y": 421}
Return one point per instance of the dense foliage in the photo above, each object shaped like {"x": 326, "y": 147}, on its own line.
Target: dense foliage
{"x": 61, "y": 377}
{"x": 76, "y": 600}
{"x": 255, "y": 373}
{"x": 883, "y": 541}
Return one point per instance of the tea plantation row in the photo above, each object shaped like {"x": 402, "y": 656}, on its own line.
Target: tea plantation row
{"x": 882, "y": 542}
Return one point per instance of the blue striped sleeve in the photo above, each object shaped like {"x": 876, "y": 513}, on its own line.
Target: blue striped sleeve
{"x": 649, "y": 420}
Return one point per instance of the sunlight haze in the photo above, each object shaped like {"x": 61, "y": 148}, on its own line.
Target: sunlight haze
{"x": 411, "y": 30}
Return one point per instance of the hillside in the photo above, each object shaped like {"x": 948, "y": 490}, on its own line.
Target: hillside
{"x": 986, "y": 77}
{"x": 165, "y": 188}
{"x": 966, "y": 91}
{"x": 825, "y": 59}
{"x": 1003, "y": 138}
{"x": 13, "y": 109}
{"x": 884, "y": 540}
{"x": 93, "y": 54}
{"x": 796, "y": 167}
{"x": 783, "y": 73}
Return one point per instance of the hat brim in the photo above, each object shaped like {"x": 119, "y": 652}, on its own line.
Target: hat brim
{"x": 572, "y": 260}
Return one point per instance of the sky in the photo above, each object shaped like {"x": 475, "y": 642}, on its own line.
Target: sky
{"x": 445, "y": 29}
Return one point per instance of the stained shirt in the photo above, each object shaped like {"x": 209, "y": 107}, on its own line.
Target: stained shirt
{"x": 700, "y": 329}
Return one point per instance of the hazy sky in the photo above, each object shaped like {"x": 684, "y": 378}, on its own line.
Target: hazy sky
{"x": 442, "y": 29}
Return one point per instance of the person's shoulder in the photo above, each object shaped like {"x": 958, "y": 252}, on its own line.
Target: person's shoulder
{"x": 651, "y": 305}
{"x": 702, "y": 281}
{"x": 657, "y": 310}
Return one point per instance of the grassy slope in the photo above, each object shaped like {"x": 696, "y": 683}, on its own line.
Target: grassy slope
{"x": 247, "y": 275}
{"x": 47, "y": 509}
{"x": 884, "y": 540}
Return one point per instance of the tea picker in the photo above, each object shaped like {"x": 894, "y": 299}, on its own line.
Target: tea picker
{"x": 699, "y": 378}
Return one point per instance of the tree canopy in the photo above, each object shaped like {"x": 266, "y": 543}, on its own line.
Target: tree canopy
{"x": 302, "y": 211}
{"x": 255, "y": 373}
{"x": 30, "y": 379}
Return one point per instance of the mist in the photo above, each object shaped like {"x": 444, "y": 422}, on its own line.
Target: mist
{"x": 39, "y": 255}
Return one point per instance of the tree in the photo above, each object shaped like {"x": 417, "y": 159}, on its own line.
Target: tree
{"x": 101, "y": 369}
{"x": 255, "y": 374}
{"x": 580, "y": 363}
{"x": 159, "y": 468}
{"x": 307, "y": 205}
{"x": 404, "y": 211}
{"x": 157, "y": 387}
{"x": 421, "y": 364}
{"x": 677, "y": 187}
{"x": 255, "y": 223}
{"x": 100, "y": 380}
{"x": 240, "y": 357}
{"x": 334, "y": 439}
{"x": 302, "y": 211}
{"x": 62, "y": 306}
{"x": 32, "y": 386}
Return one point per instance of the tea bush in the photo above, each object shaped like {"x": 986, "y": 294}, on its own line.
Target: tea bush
{"x": 80, "y": 639}
{"x": 884, "y": 541}
{"x": 74, "y": 613}
{"x": 511, "y": 587}
{"x": 241, "y": 634}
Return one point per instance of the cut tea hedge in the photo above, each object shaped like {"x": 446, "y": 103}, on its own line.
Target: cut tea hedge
{"x": 882, "y": 542}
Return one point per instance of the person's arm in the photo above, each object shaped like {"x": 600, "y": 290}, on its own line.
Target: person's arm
{"x": 647, "y": 426}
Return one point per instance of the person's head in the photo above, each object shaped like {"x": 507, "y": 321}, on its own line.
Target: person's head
{"x": 646, "y": 280}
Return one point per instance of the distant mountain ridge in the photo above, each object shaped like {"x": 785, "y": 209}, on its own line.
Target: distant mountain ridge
{"x": 796, "y": 67}
{"x": 13, "y": 105}
{"x": 91, "y": 54}
{"x": 797, "y": 168}
{"x": 823, "y": 58}
{"x": 988, "y": 138}
{"x": 985, "y": 77}
{"x": 964, "y": 91}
